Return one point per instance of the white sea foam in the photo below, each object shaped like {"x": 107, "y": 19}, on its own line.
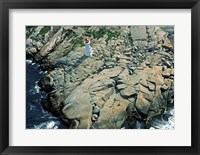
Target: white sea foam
{"x": 50, "y": 125}
{"x": 32, "y": 107}
{"x": 29, "y": 61}
{"x": 163, "y": 123}
{"x": 37, "y": 87}
{"x": 47, "y": 125}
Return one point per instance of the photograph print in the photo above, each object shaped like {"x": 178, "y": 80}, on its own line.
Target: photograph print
{"x": 100, "y": 77}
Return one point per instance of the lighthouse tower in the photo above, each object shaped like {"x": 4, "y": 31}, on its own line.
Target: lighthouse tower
{"x": 88, "y": 50}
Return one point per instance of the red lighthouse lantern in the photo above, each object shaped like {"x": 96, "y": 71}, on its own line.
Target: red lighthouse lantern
{"x": 87, "y": 40}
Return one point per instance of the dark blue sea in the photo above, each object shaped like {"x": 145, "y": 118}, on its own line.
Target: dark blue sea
{"x": 36, "y": 116}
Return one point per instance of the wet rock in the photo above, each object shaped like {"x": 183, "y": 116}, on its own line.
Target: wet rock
{"x": 55, "y": 99}
{"x": 46, "y": 83}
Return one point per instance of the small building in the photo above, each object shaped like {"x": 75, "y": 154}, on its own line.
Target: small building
{"x": 88, "y": 50}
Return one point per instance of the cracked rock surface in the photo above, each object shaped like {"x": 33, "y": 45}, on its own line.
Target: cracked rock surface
{"x": 129, "y": 77}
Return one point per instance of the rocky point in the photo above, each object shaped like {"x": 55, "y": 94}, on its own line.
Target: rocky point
{"x": 129, "y": 77}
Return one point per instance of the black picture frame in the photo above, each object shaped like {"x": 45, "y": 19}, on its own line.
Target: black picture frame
{"x": 5, "y": 5}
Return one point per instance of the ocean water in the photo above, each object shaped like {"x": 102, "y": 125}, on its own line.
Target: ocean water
{"x": 165, "y": 121}
{"x": 38, "y": 118}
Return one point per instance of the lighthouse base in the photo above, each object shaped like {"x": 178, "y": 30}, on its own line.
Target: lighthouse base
{"x": 88, "y": 53}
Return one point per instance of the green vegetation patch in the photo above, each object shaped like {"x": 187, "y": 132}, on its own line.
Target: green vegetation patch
{"x": 44, "y": 30}
{"x": 29, "y": 30}
{"x": 102, "y": 31}
{"x": 77, "y": 41}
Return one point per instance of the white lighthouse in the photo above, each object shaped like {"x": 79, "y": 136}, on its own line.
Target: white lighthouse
{"x": 88, "y": 50}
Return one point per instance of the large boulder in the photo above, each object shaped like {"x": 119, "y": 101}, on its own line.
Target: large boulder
{"x": 77, "y": 107}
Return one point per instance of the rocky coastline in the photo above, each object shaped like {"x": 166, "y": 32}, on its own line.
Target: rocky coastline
{"x": 129, "y": 77}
